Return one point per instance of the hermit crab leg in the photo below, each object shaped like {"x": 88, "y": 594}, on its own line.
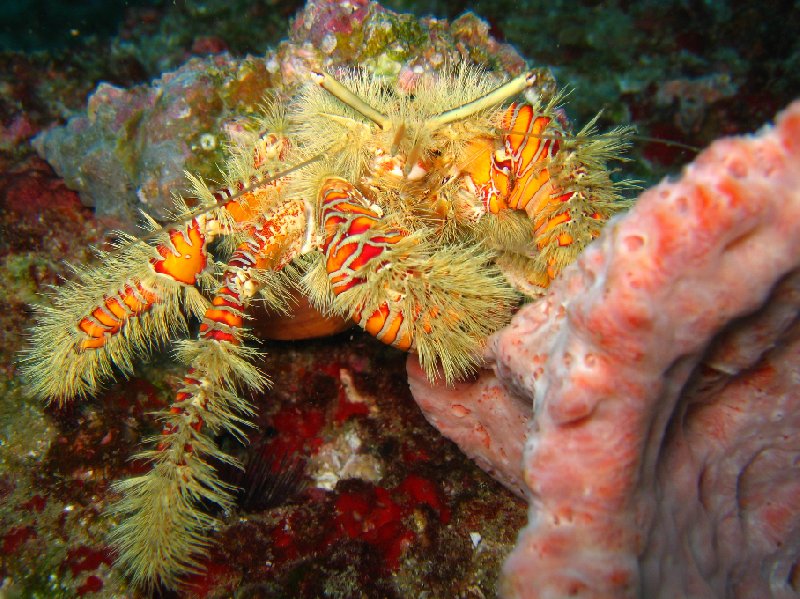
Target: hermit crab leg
{"x": 181, "y": 259}
{"x": 164, "y": 530}
{"x": 354, "y": 236}
{"x": 138, "y": 297}
{"x": 111, "y": 314}
{"x": 439, "y": 302}
{"x": 562, "y": 185}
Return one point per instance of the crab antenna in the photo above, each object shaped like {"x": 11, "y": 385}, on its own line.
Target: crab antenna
{"x": 498, "y": 96}
{"x": 338, "y": 90}
{"x": 255, "y": 185}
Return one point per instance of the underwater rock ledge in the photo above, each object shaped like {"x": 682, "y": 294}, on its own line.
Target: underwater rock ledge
{"x": 647, "y": 406}
{"x": 131, "y": 149}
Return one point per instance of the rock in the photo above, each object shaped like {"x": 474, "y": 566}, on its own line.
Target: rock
{"x": 132, "y": 148}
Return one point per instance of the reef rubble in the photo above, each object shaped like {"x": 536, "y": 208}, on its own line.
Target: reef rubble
{"x": 647, "y": 406}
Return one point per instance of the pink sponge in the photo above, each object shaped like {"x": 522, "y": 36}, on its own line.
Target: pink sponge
{"x": 647, "y": 407}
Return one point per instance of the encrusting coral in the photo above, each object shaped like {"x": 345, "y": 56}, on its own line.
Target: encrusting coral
{"x": 647, "y": 405}
{"x": 422, "y": 213}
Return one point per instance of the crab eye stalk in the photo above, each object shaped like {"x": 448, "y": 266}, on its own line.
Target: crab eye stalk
{"x": 339, "y": 91}
{"x": 493, "y": 98}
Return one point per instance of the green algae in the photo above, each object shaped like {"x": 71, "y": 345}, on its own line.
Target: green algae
{"x": 394, "y": 35}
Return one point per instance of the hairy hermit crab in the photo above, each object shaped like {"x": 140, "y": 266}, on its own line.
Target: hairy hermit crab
{"x": 425, "y": 215}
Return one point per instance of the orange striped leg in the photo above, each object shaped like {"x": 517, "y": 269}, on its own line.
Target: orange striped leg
{"x": 519, "y": 176}
{"x": 182, "y": 259}
{"x": 108, "y": 318}
{"x": 271, "y": 245}
{"x": 354, "y": 238}
{"x": 516, "y": 173}
{"x": 528, "y": 148}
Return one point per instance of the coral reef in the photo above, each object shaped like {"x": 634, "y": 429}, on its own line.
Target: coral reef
{"x": 647, "y": 406}
{"x": 341, "y": 403}
{"x": 134, "y": 146}
{"x": 131, "y": 149}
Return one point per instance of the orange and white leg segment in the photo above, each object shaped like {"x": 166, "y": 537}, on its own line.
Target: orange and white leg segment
{"x": 355, "y": 241}
{"x": 108, "y": 318}
{"x": 111, "y": 315}
{"x": 180, "y": 261}
{"x": 532, "y": 169}
{"x": 438, "y": 301}
{"x": 182, "y": 478}
{"x": 218, "y": 360}
{"x": 518, "y": 171}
